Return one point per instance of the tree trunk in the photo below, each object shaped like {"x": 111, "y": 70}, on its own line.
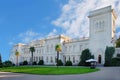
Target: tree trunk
{"x": 17, "y": 60}
{"x": 32, "y": 58}
{"x": 57, "y": 57}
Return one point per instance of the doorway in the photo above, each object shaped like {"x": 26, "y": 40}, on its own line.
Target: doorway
{"x": 99, "y": 59}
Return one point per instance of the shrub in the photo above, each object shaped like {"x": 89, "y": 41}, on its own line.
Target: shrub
{"x": 7, "y": 64}
{"x": 115, "y": 61}
{"x": 34, "y": 63}
{"x": 41, "y": 62}
{"x": 1, "y": 65}
{"x": 68, "y": 63}
{"x": 25, "y": 63}
{"x": 60, "y": 63}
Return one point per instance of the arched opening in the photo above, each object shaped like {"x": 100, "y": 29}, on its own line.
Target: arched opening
{"x": 99, "y": 59}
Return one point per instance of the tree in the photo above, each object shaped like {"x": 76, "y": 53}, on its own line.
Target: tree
{"x": 85, "y": 56}
{"x": 108, "y": 55}
{"x": 118, "y": 42}
{"x": 58, "y": 49}
{"x": 32, "y": 50}
{"x": 7, "y": 64}
{"x": 17, "y": 55}
{"x": 0, "y": 61}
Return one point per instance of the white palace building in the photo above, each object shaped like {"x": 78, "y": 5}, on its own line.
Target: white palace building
{"x": 101, "y": 34}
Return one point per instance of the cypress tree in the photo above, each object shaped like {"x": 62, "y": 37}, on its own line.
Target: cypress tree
{"x": 108, "y": 55}
{"x": 0, "y": 61}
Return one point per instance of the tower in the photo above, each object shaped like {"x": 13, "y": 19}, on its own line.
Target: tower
{"x": 102, "y": 31}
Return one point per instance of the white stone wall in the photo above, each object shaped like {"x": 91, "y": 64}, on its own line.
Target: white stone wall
{"x": 101, "y": 31}
{"x": 102, "y": 27}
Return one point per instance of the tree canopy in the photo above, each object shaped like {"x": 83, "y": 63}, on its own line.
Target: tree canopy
{"x": 86, "y": 54}
{"x": 118, "y": 42}
{"x": 108, "y": 55}
{"x": 58, "y": 48}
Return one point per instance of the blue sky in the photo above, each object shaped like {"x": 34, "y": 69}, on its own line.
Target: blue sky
{"x": 24, "y": 20}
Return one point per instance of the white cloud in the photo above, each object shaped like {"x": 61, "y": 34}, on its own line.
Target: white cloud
{"x": 73, "y": 18}
{"x": 53, "y": 33}
{"x": 28, "y": 36}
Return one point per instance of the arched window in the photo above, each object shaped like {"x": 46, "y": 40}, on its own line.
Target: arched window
{"x": 51, "y": 59}
{"x": 55, "y": 59}
{"x": 73, "y": 59}
{"x": 65, "y": 58}
{"x": 34, "y": 58}
{"x": 100, "y": 25}
{"x": 47, "y": 59}
{"x": 99, "y": 59}
{"x": 69, "y": 58}
{"x": 37, "y": 59}
{"x": 47, "y": 48}
{"x": 41, "y": 57}
{"x": 51, "y": 48}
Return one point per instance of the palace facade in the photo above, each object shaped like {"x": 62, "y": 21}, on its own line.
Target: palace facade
{"x": 102, "y": 34}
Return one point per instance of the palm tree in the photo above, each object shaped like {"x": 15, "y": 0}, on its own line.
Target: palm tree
{"x": 32, "y": 49}
{"x": 17, "y": 55}
{"x": 58, "y": 49}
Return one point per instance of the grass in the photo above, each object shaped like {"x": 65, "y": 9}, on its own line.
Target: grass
{"x": 48, "y": 70}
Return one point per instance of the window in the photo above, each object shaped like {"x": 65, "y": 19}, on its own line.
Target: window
{"x": 47, "y": 59}
{"x": 51, "y": 59}
{"x": 34, "y": 58}
{"x": 80, "y": 47}
{"x": 65, "y": 58}
{"x": 56, "y": 59}
{"x": 37, "y": 59}
{"x": 47, "y": 48}
{"x": 51, "y": 48}
{"x": 73, "y": 59}
{"x": 69, "y": 58}
{"x": 41, "y": 57}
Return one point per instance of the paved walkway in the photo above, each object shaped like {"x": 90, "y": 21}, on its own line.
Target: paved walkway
{"x": 106, "y": 73}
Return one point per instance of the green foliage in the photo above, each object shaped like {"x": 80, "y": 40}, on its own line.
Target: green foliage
{"x": 68, "y": 63}
{"x": 118, "y": 42}
{"x": 108, "y": 55}
{"x": 85, "y": 56}
{"x": 58, "y": 47}
{"x": 25, "y": 63}
{"x": 34, "y": 63}
{"x": 7, "y": 64}
{"x": 115, "y": 61}
{"x": 60, "y": 63}
{"x": 41, "y": 62}
{"x": 17, "y": 53}
{"x": 1, "y": 61}
{"x": 92, "y": 56}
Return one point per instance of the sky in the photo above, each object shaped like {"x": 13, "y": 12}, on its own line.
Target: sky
{"x": 22, "y": 21}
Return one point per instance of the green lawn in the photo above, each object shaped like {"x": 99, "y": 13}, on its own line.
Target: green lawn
{"x": 48, "y": 70}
